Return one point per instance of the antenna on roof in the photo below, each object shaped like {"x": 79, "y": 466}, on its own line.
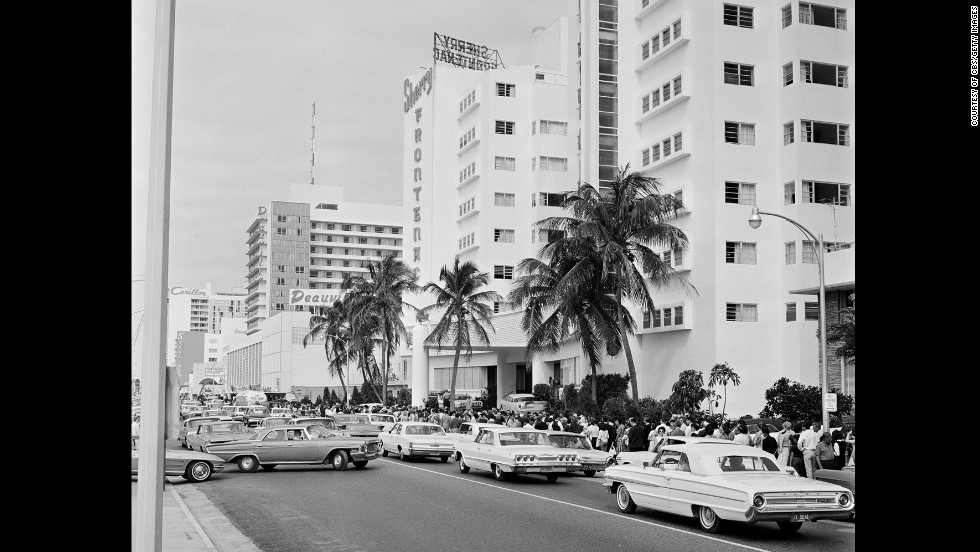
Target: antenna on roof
{"x": 312, "y": 143}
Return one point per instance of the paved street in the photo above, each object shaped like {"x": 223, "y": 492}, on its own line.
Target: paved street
{"x": 429, "y": 505}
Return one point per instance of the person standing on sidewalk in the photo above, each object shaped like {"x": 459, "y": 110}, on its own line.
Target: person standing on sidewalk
{"x": 839, "y": 447}
{"x": 782, "y": 443}
{"x": 808, "y": 444}
{"x": 768, "y": 441}
{"x": 826, "y": 460}
{"x": 635, "y": 437}
{"x": 795, "y": 456}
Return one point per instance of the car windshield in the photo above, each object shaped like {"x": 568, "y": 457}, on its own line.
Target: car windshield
{"x": 424, "y": 430}
{"x": 258, "y": 411}
{"x": 346, "y": 419}
{"x": 747, "y": 464}
{"x": 270, "y": 422}
{"x": 570, "y": 441}
{"x": 383, "y": 418}
{"x": 523, "y": 438}
{"x": 197, "y": 421}
{"x": 236, "y": 427}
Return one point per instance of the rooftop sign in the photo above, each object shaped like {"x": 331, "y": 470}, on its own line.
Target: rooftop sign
{"x": 464, "y": 54}
{"x": 314, "y": 297}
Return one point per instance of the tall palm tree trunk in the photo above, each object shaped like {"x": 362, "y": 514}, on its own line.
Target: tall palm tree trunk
{"x": 595, "y": 383}
{"x": 724, "y": 403}
{"x": 626, "y": 344}
{"x": 452, "y": 380}
{"x": 385, "y": 365}
{"x": 340, "y": 374}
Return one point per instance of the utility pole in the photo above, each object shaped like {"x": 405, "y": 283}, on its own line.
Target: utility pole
{"x": 312, "y": 143}
{"x": 149, "y": 504}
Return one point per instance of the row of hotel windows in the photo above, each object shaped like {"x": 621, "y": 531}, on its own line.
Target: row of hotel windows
{"x": 467, "y": 206}
{"x": 360, "y": 228}
{"x": 749, "y": 312}
{"x": 743, "y": 134}
{"x": 558, "y": 128}
{"x": 545, "y": 199}
{"x": 329, "y": 262}
{"x": 507, "y": 235}
{"x": 347, "y": 239}
{"x": 834, "y": 193}
{"x": 503, "y": 89}
{"x": 363, "y": 252}
{"x": 745, "y": 252}
{"x": 542, "y": 162}
{"x": 669, "y": 316}
{"x": 809, "y": 14}
{"x": 290, "y": 218}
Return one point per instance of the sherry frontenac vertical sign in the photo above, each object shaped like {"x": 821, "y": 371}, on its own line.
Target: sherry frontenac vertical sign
{"x": 412, "y": 94}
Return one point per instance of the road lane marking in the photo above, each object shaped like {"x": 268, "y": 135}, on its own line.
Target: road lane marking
{"x": 616, "y": 515}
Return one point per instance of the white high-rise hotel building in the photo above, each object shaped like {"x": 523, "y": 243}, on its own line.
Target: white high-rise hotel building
{"x": 729, "y": 105}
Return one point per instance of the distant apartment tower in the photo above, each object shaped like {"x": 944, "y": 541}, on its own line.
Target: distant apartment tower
{"x": 200, "y": 310}
{"x": 312, "y": 240}
{"x": 730, "y": 106}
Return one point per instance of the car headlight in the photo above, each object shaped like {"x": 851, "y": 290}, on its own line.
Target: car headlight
{"x": 759, "y": 501}
{"x": 363, "y": 447}
{"x": 843, "y": 500}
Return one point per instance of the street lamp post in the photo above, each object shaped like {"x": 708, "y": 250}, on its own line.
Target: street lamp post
{"x": 347, "y": 349}
{"x": 755, "y": 221}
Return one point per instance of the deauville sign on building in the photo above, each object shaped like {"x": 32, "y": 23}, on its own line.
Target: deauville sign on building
{"x": 314, "y": 297}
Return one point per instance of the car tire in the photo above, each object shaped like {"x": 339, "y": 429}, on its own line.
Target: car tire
{"x": 384, "y": 451}
{"x": 402, "y": 456}
{"x": 198, "y": 471}
{"x": 709, "y": 520}
{"x": 269, "y": 467}
{"x": 624, "y": 501}
{"x": 552, "y": 477}
{"x": 589, "y": 473}
{"x": 444, "y": 458}
{"x": 498, "y": 473}
{"x": 247, "y": 464}
{"x": 789, "y": 526}
{"x": 339, "y": 460}
{"x": 463, "y": 468}
{"x": 360, "y": 464}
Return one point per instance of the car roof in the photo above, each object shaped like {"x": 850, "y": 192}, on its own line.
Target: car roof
{"x": 717, "y": 448}
{"x": 696, "y": 439}
{"x": 568, "y": 433}
{"x": 425, "y": 424}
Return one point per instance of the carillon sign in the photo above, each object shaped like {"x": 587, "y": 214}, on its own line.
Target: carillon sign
{"x": 464, "y": 54}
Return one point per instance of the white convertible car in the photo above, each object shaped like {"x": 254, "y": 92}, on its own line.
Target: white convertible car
{"x": 509, "y": 450}
{"x": 715, "y": 482}
{"x": 410, "y": 439}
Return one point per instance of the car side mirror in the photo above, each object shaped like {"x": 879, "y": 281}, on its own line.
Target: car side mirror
{"x": 646, "y": 464}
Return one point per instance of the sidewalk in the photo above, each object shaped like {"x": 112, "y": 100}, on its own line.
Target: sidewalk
{"x": 191, "y": 523}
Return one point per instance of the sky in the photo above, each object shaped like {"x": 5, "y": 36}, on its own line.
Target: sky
{"x": 246, "y": 73}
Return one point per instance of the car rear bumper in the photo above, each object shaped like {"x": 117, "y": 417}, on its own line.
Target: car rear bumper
{"x": 541, "y": 469}
{"x": 753, "y": 515}
{"x": 431, "y": 452}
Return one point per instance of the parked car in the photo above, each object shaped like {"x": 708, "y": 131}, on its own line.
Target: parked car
{"x": 413, "y": 439}
{"x": 273, "y": 422}
{"x": 238, "y": 413}
{"x": 509, "y": 450}
{"x": 326, "y": 422}
{"x": 843, "y": 477}
{"x": 592, "y": 460}
{"x": 254, "y": 414}
{"x": 358, "y": 425}
{"x": 297, "y": 444}
{"x": 281, "y": 413}
{"x": 716, "y": 482}
{"x": 468, "y": 430}
{"x": 639, "y": 457}
{"x": 215, "y": 413}
{"x": 194, "y": 410}
{"x": 217, "y": 432}
{"x": 190, "y": 426}
{"x": 192, "y": 466}
{"x": 384, "y": 421}
{"x": 523, "y": 402}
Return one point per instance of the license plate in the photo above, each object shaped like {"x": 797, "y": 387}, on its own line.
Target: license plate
{"x": 548, "y": 469}
{"x": 533, "y": 470}
{"x": 801, "y": 517}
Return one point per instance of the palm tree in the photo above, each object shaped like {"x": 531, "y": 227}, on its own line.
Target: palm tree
{"x": 379, "y": 295}
{"x": 555, "y": 312}
{"x": 464, "y": 312}
{"x": 722, "y": 374}
{"x": 621, "y": 223}
{"x": 331, "y": 324}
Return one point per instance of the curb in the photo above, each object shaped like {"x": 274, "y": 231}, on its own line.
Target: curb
{"x": 215, "y": 529}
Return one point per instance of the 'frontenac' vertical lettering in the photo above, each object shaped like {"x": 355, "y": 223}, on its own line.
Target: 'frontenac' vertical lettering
{"x": 417, "y": 256}
{"x": 418, "y": 217}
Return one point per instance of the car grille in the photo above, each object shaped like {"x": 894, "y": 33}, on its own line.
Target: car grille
{"x": 372, "y": 447}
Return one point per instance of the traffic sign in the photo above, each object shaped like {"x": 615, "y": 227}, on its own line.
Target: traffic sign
{"x": 830, "y": 402}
